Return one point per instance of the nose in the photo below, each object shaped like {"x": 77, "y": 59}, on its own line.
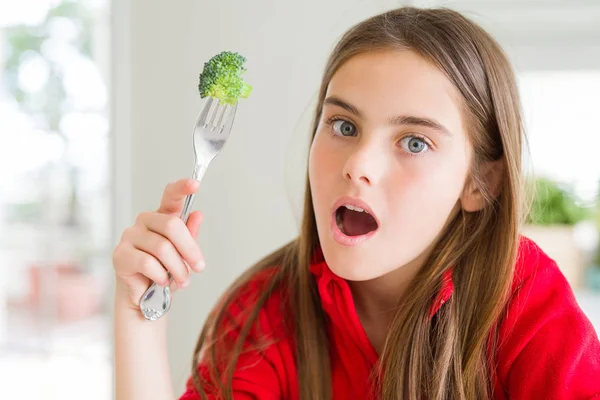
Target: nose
{"x": 365, "y": 164}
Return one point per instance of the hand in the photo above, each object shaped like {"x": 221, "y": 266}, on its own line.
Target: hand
{"x": 158, "y": 242}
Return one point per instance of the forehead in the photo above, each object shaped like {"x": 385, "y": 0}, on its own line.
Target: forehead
{"x": 386, "y": 83}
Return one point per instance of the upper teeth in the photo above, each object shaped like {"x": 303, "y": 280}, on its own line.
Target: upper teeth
{"x": 354, "y": 208}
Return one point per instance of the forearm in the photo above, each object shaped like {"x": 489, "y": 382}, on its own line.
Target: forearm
{"x": 141, "y": 362}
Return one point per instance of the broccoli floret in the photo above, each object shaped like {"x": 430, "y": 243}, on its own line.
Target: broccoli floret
{"x": 221, "y": 78}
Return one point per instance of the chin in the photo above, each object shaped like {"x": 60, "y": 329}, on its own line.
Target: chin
{"x": 353, "y": 264}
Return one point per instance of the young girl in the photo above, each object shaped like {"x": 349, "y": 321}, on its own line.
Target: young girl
{"x": 409, "y": 279}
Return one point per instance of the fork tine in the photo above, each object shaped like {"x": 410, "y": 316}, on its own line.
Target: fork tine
{"x": 228, "y": 121}
{"x": 213, "y": 115}
{"x": 222, "y": 111}
{"x": 204, "y": 112}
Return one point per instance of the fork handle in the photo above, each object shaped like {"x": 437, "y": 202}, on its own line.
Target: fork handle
{"x": 156, "y": 301}
{"x": 199, "y": 170}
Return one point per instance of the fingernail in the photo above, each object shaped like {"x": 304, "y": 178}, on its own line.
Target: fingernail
{"x": 200, "y": 266}
{"x": 185, "y": 284}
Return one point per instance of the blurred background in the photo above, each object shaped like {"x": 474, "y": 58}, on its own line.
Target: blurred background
{"x": 97, "y": 102}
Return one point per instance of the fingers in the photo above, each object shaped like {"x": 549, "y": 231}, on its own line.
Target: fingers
{"x": 194, "y": 221}
{"x": 174, "y": 195}
{"x": 151, "y": 268}
{"x": 164, "y": 253}
{"x": 139, "y": 262}
{"x": 173, "y": 229}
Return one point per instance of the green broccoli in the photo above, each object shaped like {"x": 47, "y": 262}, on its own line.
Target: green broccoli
{"x": 221, "y": 78}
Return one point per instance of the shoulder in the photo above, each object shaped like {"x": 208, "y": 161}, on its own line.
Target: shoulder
{"x": 540, "y": 288}
{"x": 533, "y": 263}
{"x": 249, "y": 328}
{"x": 261, "y": 295}
{"x": 540, "y": 292}
{"x": 545, "y": 340}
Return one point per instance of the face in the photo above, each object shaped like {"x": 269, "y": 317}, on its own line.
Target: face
{"x": 390, "y": 141}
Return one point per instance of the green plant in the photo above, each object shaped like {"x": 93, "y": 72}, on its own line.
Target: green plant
{"x": 554, "y": 204}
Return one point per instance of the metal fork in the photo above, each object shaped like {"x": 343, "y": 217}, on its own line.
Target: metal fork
{"x": 211, "y": 131}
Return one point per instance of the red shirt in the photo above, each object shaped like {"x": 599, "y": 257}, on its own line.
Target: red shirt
{"x": 550, "y": 349}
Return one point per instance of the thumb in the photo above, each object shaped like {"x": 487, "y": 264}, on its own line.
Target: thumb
{"x": 194, "y": 221}
{"x": 174, "y": 195}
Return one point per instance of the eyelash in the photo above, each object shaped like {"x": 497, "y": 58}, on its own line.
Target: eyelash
{"x": 333, "y": 119}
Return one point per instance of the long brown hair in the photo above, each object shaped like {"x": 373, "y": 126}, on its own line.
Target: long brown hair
{"x": 450, "y": 356}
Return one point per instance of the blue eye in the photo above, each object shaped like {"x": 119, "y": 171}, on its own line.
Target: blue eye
{"x": 414, "y": 144}
{"x": 344, "y": 128}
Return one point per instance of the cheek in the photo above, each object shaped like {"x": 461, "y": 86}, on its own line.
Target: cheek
{"x": 317, "y": 173}
{"x": 426, "y": 196}
{"x": 322, "y": 165}
{"x": 444, "y": 185}
{"x": 445, "y": 179}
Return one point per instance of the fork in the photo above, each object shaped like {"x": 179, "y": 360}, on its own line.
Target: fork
{"x": 211, "y": 131}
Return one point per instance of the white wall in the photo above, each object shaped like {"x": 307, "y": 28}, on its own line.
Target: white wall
{"x": 252, "y": 190}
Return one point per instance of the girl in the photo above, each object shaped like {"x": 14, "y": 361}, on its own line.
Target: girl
{"x": 409, "y": 279}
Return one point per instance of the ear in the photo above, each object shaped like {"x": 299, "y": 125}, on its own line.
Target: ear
{"x": 472, "y": 199}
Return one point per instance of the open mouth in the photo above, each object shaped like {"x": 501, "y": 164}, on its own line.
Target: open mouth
{"x": 354, "y": 221}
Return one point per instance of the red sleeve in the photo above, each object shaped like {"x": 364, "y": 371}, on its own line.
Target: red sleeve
{"x": 548, "y": 347}
{"x": 259, "y": 373}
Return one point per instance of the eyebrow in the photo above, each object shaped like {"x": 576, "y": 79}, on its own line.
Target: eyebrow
{"x": 398, "y": 120}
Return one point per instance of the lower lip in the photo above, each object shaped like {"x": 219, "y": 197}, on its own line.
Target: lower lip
{"x": 346, "y": 240}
